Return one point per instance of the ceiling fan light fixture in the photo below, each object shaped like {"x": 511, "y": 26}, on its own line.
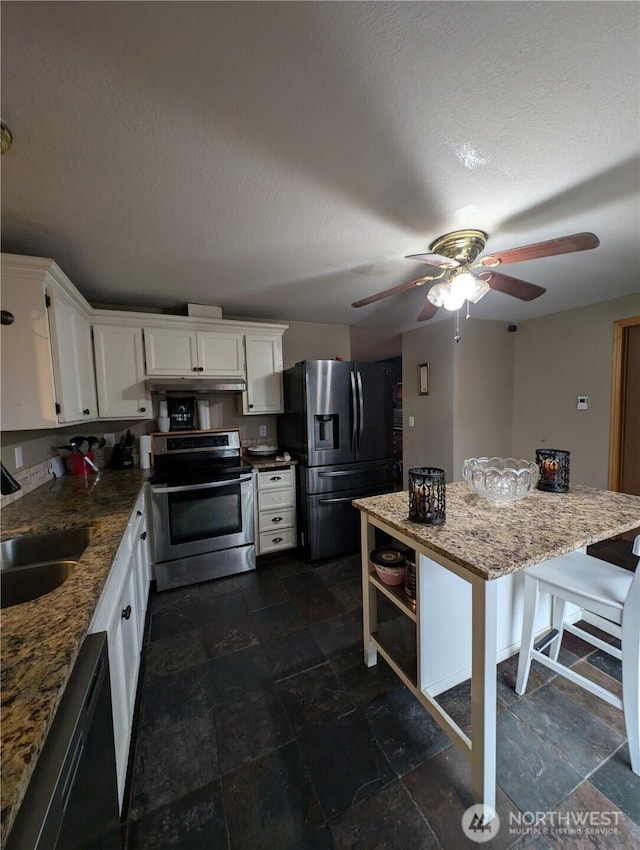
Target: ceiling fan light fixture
{"x": 439, "y": 293}
{"x": 481, "y": 289}
{"x": 463, "y": 284}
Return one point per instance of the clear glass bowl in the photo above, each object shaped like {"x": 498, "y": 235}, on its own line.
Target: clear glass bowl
{"x": 500, "y": 480}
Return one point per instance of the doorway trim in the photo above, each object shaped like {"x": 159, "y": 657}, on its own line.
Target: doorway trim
{"x": 617, "y": 399}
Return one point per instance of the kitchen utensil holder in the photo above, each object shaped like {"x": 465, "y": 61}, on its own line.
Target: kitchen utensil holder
{"x": 427, "y": 495}
{"x": 554, "y": 470}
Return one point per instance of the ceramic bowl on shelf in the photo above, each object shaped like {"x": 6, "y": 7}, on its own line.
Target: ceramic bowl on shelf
{"x": 500, "y": 480}
{"x": 389, "y": 565}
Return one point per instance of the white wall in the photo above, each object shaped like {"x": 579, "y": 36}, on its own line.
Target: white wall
{"x": 557, "y": 358}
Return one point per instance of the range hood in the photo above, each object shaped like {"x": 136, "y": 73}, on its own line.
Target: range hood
{"x": 195, "y": 386}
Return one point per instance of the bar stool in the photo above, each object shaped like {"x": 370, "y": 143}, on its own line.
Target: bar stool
{"x": 610, "y": 599}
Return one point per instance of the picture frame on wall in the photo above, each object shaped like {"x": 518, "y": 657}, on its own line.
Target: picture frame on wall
{"x": 423, "y": 379}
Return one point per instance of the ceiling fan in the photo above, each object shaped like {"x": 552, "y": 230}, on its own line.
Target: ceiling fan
{"x": 456, "y": 255}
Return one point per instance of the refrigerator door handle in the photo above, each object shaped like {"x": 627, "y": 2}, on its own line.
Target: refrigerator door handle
{"x": 335, "y": 501}
{"x": 360, "y": 407}
{"x": 354, "y": 412}
{"x": 370, "y": 467}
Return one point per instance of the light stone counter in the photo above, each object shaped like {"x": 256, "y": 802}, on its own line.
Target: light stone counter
{"x": 262, "y": 463}
{"x": 40, "y": 640}
{"x": 493, "y": 541}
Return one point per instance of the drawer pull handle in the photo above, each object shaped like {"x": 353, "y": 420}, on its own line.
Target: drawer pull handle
{"x": 276, "y": 478}
{"x": 86, "y": 411}
{"x": 143, "y": 536}
{"x": 126, "y": 612}
{"x": 277, "y": 540}
{"x": 138, "y": 513}
{"x": 276, "y": 519}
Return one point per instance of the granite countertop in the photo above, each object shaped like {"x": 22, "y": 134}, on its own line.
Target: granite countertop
{"x": 269, "y": 462}
{"x": 40, "y": 640}
{"x": 493, "y": 541}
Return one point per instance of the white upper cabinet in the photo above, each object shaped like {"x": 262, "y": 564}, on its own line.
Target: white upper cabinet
{"x": 27, "y": 391}
{"x": 72, "y": 358}
{"x": 119, "y": 360}
{"x": 54, "y": 373}
{"x": 220, "y": 354}
{"x": 264, "y": 374}
{"x": 47, "y": 360}
{"x": 181, "y": 352}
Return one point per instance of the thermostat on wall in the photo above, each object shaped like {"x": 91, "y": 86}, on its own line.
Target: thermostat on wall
{"x": 583, "y": 402}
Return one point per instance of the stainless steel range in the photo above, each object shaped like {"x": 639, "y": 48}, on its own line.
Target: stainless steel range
{"x": 202, "y": 498}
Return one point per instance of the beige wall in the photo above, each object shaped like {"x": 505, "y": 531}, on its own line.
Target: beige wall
{"x": 558, "y": 358}
{"x": 468, "y": 412}
{"x": 430, "y": 441}
{"x": 483, "y": 393}
{"x": 315, "y": 341}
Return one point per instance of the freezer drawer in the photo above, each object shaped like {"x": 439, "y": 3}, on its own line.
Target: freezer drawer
{"x": 332, "y": 524}
{"x": 347, "y": 476}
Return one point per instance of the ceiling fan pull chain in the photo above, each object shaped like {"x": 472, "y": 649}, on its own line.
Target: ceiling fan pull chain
{"x": 457, "y": 336}
{"x": 468, "y": 316}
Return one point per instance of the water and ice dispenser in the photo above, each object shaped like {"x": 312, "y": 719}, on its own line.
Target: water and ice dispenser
{"x": 326, "y": 430}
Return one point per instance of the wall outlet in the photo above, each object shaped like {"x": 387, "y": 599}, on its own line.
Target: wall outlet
{"x": 412, "y": 422}
{"x": 19, "y": 460}
{"x": 583, "y": 402}
{"x": 110, "y": 439}
{"x": 263, "y": 430}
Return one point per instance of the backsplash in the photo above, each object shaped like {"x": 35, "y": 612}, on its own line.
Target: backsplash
{"x": 28, "y": 479}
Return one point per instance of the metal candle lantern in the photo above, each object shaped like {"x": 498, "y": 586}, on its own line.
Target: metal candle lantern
{"x": 427, "y": 495}
{"x": 554, "y": 470}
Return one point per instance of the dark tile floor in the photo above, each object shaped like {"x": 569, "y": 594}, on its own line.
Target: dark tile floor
{"x": 258, "y": 726}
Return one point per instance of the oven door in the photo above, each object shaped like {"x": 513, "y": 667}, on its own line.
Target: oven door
{"x": 194, "y": 519}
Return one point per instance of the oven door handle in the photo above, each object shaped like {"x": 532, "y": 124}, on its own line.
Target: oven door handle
{"x": 186, "y": 487}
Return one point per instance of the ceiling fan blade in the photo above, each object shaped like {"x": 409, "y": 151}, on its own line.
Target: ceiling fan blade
{"x": 563, "y": 245}
{"x": 428, "y": 312}
{"x": 513, "y": 286}
{"x": 393, "y": 291}
{"x": 434, "y": 260}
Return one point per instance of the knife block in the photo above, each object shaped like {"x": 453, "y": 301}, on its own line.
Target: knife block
{"x": 121, "y": 457}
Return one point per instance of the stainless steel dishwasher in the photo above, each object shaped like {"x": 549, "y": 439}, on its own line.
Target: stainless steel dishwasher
{"x": 72, "y": 800}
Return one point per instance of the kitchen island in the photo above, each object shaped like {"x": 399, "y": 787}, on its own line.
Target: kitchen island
{"x": 482, "y": 547}
{"x": 41, "y": 639}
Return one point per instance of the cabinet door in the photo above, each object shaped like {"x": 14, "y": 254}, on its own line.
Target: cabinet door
{"x": 124, "y": 662}
{"x": 170, "y": 351}
{"x": 119, "y": 361}
{"x": 28, "y": 393}
{"x": 264, "y": 374}
{"x": 72, "y": 358}
{"x": 220, "y": 354}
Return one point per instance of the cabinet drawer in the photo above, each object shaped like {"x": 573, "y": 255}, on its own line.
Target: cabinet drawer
{"x": 272, "y": 521}
{"x": 273, "y": 499}
{"x": 284, "y": 538}
{"x": 275, "y": 479}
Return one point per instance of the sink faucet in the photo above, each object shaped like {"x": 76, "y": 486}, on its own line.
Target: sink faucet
{"x": 8, "y": 482}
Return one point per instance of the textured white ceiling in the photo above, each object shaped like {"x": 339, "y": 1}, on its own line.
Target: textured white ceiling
{"x": 281, "y": 159}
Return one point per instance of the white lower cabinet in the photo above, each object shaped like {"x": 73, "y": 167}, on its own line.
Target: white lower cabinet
{"x": 275, "y": 509}
{"x": 121, "y": 613}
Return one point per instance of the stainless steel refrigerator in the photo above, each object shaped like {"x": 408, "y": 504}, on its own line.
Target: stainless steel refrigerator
{"x": 338, "y": 425}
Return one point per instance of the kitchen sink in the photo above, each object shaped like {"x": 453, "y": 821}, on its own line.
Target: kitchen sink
{"x": 35, "y": 564}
